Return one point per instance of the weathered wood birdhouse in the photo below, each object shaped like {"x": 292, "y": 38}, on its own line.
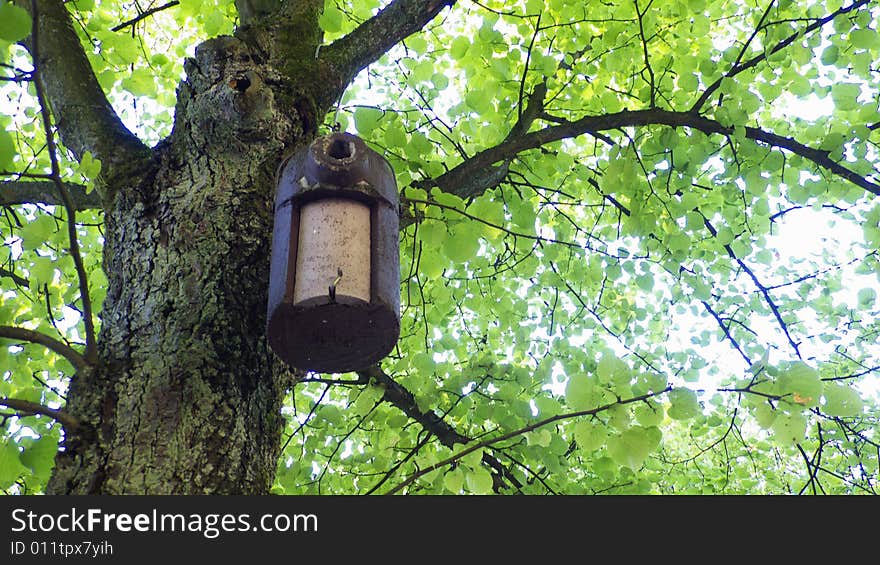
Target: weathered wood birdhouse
{"x": 334, "y": 287}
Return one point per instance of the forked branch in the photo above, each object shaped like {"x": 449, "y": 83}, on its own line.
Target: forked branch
{"x": 369, "y": 41}
{"x": 531, "y": 427}
{"x": 89, "y": 122}
{"x": 739, "y": 66}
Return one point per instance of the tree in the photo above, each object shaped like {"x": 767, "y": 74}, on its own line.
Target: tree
{"x": 593, "y": 294}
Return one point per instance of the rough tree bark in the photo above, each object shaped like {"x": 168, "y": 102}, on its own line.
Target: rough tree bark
{"x": 185, "y": 395}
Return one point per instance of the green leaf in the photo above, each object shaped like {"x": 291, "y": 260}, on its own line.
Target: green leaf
{"x": 433, "y": 233}
{"x": 140, "y": 83}
{"x": 15, "y": 22}
{"x": 36, "y": 233}
{"x": 541, "y": 438}
{"x": 802, "y": 383}
{"x": 215, "y": 22}
{"x": 453, "y": 480}
{"x": 473, "y": 459}
{"x": 477, "y": 100}
{"x": 611, "y": 369}
{"x": 830, "y": 55}
{"x": 702, "y": 291}
{"x": 7, "y": 150}
{"x": 688, "y": 82}
{"x": 866, "y": 297}
{"x": 479, "y": 481}
{"x": 461, "y": 246}
{"x": 534, "y": 6}
{"x": 459, "y": 47}
{"x": 842, "y": 401}
{"x": 432, "y": 265}
{"x": 765, "y": 414}
{"x": 417, "y": 43}
{"x": 845, "y": 95}
{"x": 789, "y": 428}
{"x": 89, "y": 167}
{"x": 39, "y": 456}
{"x": 683, "y": 404}
{"x": 590, "y": 436}
{"x": 331, "y": 19}
{"x": 649, "y": 415}
{"x": 645, "y": 282}
{"x": 581, "y": 393}
{"x": 866, "y": 38}
{"x": 631, "y": 448}
{"x": 42, "y": 272}
{"x": 423, "y": 363}
{"x": 366, "y": 120}
{"x": 10, "y": 464}
{"x": 395, "y": 136}
{"x": 367, "y": 400}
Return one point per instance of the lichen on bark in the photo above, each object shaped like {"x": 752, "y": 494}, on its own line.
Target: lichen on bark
{"x": 188, "y": 398}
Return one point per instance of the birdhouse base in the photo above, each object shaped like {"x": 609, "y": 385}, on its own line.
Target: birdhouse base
{"x": 333, "y": 337}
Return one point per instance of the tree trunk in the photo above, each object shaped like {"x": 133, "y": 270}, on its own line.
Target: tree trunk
{"x": 187, "y": 399}
{"x": 182, "y": 394}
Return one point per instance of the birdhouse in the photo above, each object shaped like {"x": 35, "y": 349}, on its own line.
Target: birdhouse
{"x": 334, "y": 287}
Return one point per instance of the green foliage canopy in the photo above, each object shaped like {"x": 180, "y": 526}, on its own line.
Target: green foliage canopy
{"x": 603, "y": 286}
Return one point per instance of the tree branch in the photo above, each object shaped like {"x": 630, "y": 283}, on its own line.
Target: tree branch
{"x": 17, "y": 279}
{"x": 651, "y": 78}
{"x": 452, "y": 180}
{"x": 45, "y": 192}
{"x": 22, "y": 334}
{"x": 572, "y": 244}
{"x": 740, "y": 67}
{"x": 759, "y": 285}
{"x": 404, "y": 400}
{"x": 534, "y": 109}
{"x": 727, "y": 333}
{"x": 531, "y": 427}
{"x": 699, "y": 104}
{"x": 36, "y": 40}
{"x": 369, "y": 41}
{"x": 84, "y": 117}
{"x": 145, "y": 14}
{"x": 27, "y": 408}
{"x": 400, "y": 397}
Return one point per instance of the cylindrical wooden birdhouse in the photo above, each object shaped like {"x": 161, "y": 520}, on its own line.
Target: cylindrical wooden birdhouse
{"x": 334, "y": 287}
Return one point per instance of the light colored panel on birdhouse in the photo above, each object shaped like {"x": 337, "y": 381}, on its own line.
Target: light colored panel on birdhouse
{"x": 334, "y": 235}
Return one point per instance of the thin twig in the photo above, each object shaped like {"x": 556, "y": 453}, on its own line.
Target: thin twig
{"x": 308, "y": 418}
{"x": 736, "y": 69}
{"x": 523, "y": 430}
{"x": 748, "y": 42}
{"x": 498, "y": 227}
{"x": 726, "y": 331}
{"x": 91, "y": 353}
{"x": 759, "y": 285}
{"x": 651, "y": 84}
{"x": 145, "y": 14}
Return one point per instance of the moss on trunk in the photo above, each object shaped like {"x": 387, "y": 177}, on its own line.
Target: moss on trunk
{"x": 188, "y": 397}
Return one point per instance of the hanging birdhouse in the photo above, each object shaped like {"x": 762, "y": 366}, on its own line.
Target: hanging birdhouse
{"x": 334, "y": 287}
